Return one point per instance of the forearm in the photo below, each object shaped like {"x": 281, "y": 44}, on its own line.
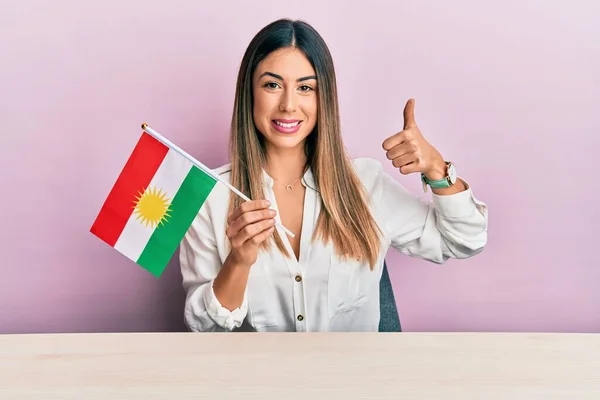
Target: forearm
{"x": 230, "y": 284}
{"x": 458, "y": 187}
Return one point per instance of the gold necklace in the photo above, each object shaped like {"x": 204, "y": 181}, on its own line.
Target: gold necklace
{"x": 289, "y": 187}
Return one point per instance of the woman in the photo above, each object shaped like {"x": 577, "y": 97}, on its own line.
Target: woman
{"x": 287, "y": 155}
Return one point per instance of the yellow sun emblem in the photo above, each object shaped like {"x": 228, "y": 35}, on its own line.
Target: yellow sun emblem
{"x": 152, "y": 207}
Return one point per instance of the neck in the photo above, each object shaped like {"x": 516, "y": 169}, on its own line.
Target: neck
{"x": 285, "y": 165}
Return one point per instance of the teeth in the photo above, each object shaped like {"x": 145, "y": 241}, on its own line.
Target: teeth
{"x": 287, "y": 125}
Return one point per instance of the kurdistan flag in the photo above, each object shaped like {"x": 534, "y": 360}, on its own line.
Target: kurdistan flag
{"x": 152, "y": 204}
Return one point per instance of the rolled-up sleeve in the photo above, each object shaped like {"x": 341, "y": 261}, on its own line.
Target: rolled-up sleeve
{"x": 200, "y": 264}
{"x": 450, "y": 226}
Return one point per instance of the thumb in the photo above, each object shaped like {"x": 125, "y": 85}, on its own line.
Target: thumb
{"x": 409, "y": 114}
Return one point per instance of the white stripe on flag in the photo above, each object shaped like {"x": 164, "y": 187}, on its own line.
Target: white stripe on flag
{"x": 170, "y": 175}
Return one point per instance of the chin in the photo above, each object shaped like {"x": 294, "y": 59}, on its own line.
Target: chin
{"x": 286, "y": 140}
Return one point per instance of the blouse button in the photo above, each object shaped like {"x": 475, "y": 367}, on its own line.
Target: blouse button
{"x": 300, "y": 317}
{"x": 298, "y": 278}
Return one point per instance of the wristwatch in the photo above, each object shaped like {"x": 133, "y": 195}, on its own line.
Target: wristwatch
{"x": 448, "y": 181}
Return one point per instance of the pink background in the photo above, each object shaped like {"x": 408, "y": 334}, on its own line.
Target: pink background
{"x": 509, "y": 90}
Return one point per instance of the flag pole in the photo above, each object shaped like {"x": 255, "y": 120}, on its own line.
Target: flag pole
{"x": 203, "y": 167}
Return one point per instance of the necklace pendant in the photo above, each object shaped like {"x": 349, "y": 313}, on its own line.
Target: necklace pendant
{"x": 288, "y": 188}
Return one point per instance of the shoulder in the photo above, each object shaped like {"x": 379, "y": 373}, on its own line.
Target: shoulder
{"x": 224, "y": 171}
{"x": 378, "y": 182}
{"x": 218, "y": 199}
{"x": 369, "y": 170}
{"x": 364, "y": 165}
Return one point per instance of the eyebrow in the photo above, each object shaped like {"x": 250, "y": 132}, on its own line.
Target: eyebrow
{"x": 304, "y": 78}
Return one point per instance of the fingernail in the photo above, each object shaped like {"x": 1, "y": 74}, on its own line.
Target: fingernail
{"x": 268, "y": 203}
{"x": 272, "y": 212}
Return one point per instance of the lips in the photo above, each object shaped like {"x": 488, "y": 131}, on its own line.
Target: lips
{"x": 286, "y": 126}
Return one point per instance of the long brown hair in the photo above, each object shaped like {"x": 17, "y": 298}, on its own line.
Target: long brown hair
{"x": 345, "y": 217}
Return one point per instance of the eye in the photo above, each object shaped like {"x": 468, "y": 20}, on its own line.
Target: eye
{"x": 305, "y": 88}
{"x": 271, "y": 85}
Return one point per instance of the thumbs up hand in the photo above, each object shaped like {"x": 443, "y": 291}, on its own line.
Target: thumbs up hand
{"x": 410, "y": 152}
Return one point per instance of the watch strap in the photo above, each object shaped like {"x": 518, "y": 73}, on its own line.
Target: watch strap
{"x": 437, "y": 183}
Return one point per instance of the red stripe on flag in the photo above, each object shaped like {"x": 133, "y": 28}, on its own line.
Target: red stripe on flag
{"x": 135, "y": 177}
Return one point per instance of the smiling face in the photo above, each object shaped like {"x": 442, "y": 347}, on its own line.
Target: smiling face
{"x": 285, "y": 98}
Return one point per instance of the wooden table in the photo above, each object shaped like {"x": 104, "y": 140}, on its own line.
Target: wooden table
{"x": 300, "y": 366}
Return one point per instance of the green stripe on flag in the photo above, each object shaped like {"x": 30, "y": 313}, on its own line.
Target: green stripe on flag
{"x": 185, "y": 206}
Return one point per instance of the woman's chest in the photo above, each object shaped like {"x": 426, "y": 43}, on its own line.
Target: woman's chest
{"x": 290, "y": 207}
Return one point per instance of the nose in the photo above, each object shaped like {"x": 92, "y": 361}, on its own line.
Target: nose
{"x": 288, "y": 101}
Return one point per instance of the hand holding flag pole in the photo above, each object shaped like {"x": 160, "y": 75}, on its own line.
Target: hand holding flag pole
{"x": 203, "y": 167}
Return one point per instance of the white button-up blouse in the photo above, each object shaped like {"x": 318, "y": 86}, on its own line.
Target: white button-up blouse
{"x": 318, "y": 292}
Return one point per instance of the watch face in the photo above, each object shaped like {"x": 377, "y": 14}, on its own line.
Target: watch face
{"x": 452, "y": 173}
